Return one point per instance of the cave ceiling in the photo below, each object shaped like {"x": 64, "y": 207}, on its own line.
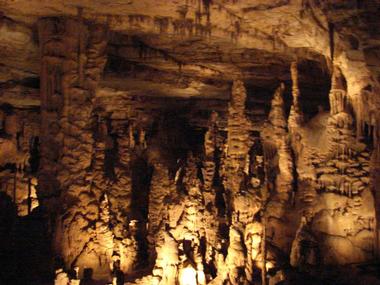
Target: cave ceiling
{"x": 197, "y": 47}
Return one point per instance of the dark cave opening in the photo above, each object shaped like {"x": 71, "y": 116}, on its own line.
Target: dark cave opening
{"x": 314, "y": 97}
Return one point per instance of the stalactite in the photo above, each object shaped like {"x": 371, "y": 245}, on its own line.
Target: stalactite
{"x": 331, "y": 28}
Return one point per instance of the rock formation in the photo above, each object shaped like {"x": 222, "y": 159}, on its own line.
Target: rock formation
{"x": 189, "y": 142}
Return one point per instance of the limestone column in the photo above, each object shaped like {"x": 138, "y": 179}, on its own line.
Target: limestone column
{"x": 238, "y": 140}
{"x": 120, "y": 197}
{"x": 162, "y": 189}
{"x": 72, "y": 60}
{"x": 296, "y": 118}
{"x": 210, "y": 145}
{"x": 340, "y": 125}
{"x": 121, "y": 190}
{"x": 279, "y": 170}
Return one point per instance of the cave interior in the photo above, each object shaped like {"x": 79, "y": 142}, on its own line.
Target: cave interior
{"x": 189, "y": 142}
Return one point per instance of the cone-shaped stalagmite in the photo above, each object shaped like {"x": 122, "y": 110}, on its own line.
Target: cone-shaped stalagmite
{"x": 279, "y": 171}
{"x": 210, "y": 147}
{"x": 295, "y": 119}
{"x": 238, "y": 140}
{"x": 162, "y": 190}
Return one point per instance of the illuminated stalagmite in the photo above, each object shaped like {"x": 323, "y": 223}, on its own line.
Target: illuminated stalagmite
{"x": 162, "y": 188}
{"x": 278, "y": 154}
{"x": 295, "y": 119}
{"x": 238, "y": 140}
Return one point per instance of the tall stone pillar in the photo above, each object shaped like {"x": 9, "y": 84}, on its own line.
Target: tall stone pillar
{"x": 340, "y": 126}
{"x": 210, "y": 145}
{"x": 279, "y": 172}
{"x": 72, "y": 60}
{"x": 296, "y": 118}
{"x": 238, "y": 141}
{"x": 162, "y": 190}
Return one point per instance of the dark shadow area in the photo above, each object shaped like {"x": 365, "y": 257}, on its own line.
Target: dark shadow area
{"x": 25, "y": 246}
{"x": 141, "y": 177}
{"x": 314, "y": 91}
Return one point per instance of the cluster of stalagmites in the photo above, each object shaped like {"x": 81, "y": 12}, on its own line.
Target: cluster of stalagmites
{"x": 223, "y": 216}
{"x": 333, "y": 170}
{"x": 184, "y": 226}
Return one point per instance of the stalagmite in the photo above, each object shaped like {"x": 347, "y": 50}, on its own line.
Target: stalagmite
{"x": 296, "y": 118}
{"x": 331, "y": 169}
{"x": 303, "y": 251}
{"x": 253, "y": 235}
{"x": 162, "y": 188}
{"x": 61, "y": 277}
{"x": 166, "y": 266}
{"x": 235, "y": 260}
{"x": 187, "y": 274}
{"x": 238, "y": 140}
{"x": 122, "y": 188}
{"x": 340, "y": 124}
{"x": 277, "y": 113}
{"x": 276, "y": 144}
{"x": 210, "y": 146}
